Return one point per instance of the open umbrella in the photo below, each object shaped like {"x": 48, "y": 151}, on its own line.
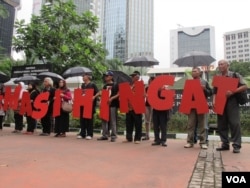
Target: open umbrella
{"x": 141, "y": 61}
{"x": 76, "y": 71}
{"x": 55, "y": 77}
{"x": 26, "y": 79}
{"x": 194, "y": 59}
{"x": 120, "y": 77}
{"x": 3, "y": 77}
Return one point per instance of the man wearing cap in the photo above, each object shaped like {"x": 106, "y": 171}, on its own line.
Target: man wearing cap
{"x": 113, "y": 104}
{"x": 85, "y": 123}
{"x": 133, "y": 119}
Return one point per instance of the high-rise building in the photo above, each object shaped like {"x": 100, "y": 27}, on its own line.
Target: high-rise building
{"x": 7, "y": 25}
{"x": 95, "y": 6}
{"x": 128, "y": 28}
{"x": 237, "y": 45}
{"x": 186, "y": 39}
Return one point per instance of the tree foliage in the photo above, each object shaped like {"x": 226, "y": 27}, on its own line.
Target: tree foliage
{"x": 242, "y": 68}
{"x": 62, "y": 37}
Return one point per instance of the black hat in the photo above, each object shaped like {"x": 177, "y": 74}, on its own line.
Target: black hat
{"x": 108, "y": 73}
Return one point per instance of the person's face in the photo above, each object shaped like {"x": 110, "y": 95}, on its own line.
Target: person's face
{"x": 135, "y": 78}
{"x": 195, "y": 73}
{"x": 107, "y": 78}
{"x": 85, "y": 78}
{"x": 223, "y": 66}
{"x": 30, "y": 86}
{"x": 61, "y": 83}
{"x": 46, "y": 83}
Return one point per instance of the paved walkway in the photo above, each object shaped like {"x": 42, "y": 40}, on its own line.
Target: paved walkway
{"x": 36, "y": 161}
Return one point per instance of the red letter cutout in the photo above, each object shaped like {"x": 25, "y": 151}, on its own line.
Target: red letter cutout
{"x": 193, "y": 98}
{"x": 168, "y": 95}
{"x": 104, "y": 106}
{"x": 11, "y": 99}
{"x": 136, "y": 99}
{"x": 26, "y": 104}
{"x": 40, "y": 105}
{"x": 83, "y": 100}
{"x": 223, "y": 84}
{"x": 57, "y": 103}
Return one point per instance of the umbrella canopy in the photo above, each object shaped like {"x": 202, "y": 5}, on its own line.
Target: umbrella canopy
{"x": 141, "y": 61}
{"x": 194, "y": 59}
{"x": 3, "y": 77}
{"x": 26, "y": 79}
{"x": 76, "y": 71}
{"x": 55, "y": 77}
{"x": 120, "y": 77}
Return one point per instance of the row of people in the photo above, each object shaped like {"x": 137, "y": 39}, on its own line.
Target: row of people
{"x": 134, "y": 120}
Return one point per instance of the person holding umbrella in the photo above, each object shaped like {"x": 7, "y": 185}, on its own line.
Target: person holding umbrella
{"x": 87, "y": 123}
{"x": 47, "y": 120}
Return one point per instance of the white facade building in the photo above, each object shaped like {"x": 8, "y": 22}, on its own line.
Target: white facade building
{"x": 186, "y": 39}
{"x": 237, "y": 45}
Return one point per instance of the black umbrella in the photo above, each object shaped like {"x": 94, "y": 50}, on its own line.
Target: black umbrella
{"x": 3, "y": 77}
{"x": 76, "y": 71}
{"x": 55, "y": 77}
{"x": 194, "y": 59}
{"x": 120, "y": 77}
{"x": 141, "y": 61}
{"x": 26, "y": 79}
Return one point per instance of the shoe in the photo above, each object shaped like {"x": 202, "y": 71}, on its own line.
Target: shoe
{"x": 44, "y": 134}
{"x": 62, "y": 135}
{"x": 188, "y": 145}
{"x": 204, "y": 146}
{"x": 16, "y": 131}
{"x": 156, "y": 144}
{"x": 102, "y": 138}
{"x": 137, "y": 142}
{"x": 223, "y": 148}
{"x": 57, "y": 134}
{"x": 236, "y": 150}
{"x": 112, "y": 139}
{"x": 164, "y": 144}
{"x": 145, "y": 138}
{"x": 88, "y": 138}
{"x": 79, "y": 137}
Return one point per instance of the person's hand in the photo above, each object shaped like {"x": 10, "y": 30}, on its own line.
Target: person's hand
{"x": 229, "y": 93}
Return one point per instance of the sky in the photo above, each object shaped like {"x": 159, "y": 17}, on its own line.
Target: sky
{"x": 223, "y": 15}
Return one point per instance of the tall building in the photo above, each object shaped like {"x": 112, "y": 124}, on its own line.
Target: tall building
{"x": 128, "y": 28}
{"x": 186, "y": 39}
{"x": 237, "y": 45}
{"x": 95, "y": 6}
{"x": 7, "y": 25}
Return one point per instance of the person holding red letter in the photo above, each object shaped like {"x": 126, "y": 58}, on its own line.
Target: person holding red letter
{"x": 133, "y": 119}
{"x": 230, "y": 119}
{"x": 47, "y": 120}
{"x": 31, "y": 122}
{"x": 113, "y": 102}
{"x": 87, "y": 123}
{"x": 62, "y": 121}
{"x": 195, "y": 118}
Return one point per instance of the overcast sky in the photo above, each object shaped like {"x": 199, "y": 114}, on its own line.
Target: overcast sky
{"x": 224, "y": 15}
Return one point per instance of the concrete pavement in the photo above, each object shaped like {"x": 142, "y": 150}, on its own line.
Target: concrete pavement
{"x": 37, "y": 161}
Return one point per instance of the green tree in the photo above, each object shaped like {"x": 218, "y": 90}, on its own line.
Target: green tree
{"x": 241, "y": 67}
{"x": 62, "y": 37}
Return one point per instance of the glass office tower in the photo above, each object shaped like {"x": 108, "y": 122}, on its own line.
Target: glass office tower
{"x": 128, "y": 28}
